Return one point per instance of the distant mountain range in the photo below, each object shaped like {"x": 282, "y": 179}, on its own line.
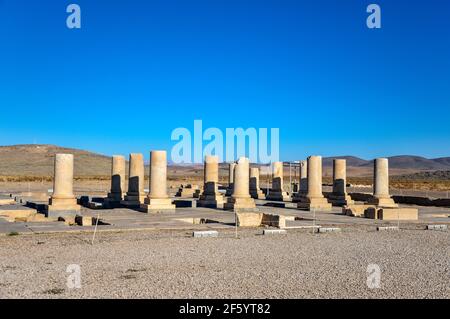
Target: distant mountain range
{"x": 37, "y": 160}
{"x": 398, "y": 162}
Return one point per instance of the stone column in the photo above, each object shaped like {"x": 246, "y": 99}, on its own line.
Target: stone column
{"x": 255, "y": 191}
{"x": 135, "y": 195}
{"x": 315, "y": 177}
{"x": 314, "y": 198}
{"x": 158, "y": 199}
{"x": 277, "y": 182}
{"x": 230, "y": 179}
{"x": 277, "y": 193}
{"x": 241, "y": 196}
{"x": 303, "y": 184}
{"x": 339, "y": 177}
{"x": 339, "y": 197}
{"x": 381, "y": 195}
{"x": 117, "y": 179}
{"x": 63, "y": 201}
{"x": 211, "y": 196}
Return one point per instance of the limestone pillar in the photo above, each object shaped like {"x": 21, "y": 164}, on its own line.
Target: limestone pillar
{"x": 117, "y": 179}
{"x": 314, "y": 198}
{"x": 255, "y": 191}
{"x": 63, "y": 201}
{"x": 157, "y": 198}
{"x": 276, "y": 192}
{"x": 277, "y": 182}
{"x": 381, "y": 195}
{"x": 339, "y": 197}
{"x": 241, "y": 198}
{"x": 230, "y": 179}
{"x": 135, "y": 195}
{"x": 211, "y": 196}
{"x": 303, "y": 184}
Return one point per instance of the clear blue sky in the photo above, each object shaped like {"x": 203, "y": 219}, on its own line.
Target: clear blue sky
{"x": 139, "y": 69}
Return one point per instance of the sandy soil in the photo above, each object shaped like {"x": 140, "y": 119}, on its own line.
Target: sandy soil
{"x": 413, "y": 264}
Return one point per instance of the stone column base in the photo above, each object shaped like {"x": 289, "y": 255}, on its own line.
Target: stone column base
{"x": 340, "y": 200}
{"x": 154, "y": 205}
{"x": 241, "y": 204}
{"x": 115, "y": 197}
{"x": 257, "y": 194}
{"x": 298, "y": 197}
{"x": 319, "y": 203}
{"x": 382, "y": 202}
{"x": 278, "y": 196}
{"x": 133, "y": 201}
{"x": 109, "y": 203}
{"x": 211, "y": 201}
{"x": 113, "y": 200}
{"x": 62, "y": 208}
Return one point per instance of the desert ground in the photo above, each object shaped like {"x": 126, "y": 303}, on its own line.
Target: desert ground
{"x": 171, "y": 264}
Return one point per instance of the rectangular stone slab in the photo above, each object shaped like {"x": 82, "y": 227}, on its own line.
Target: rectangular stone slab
{"x": 209, "y": 233}
{"x": 385, "y": 228}
{"x": 398, "y": 214}
{"x": 436, "y": 227}
{"x": 246, "y": 219}
{"x": 274, "y": 232}
{"x": 328, "y": 230}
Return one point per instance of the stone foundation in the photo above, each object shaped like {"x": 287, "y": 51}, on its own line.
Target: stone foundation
{"x": 317, "y": 203}
{"x": 154, "y": 205}
{"x": 382, "y": 202}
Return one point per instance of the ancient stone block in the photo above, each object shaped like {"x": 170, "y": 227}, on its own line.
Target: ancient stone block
{"x": 249, "y": 219}
{"x": 209, "y": 233}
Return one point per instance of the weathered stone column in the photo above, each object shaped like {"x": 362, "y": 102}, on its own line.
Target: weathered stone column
{"x": 277, "y": 193}
{"x": 381, "y": 195}
{"x": 339, "y": 177}
{"x": 277, "y": 182}
{"x": 230, "y": 179}
{"x": 303, "y": 183}
{"x": 117, "y": 181}
{"x": 314, "y": 198}
{"x": 241, "y": 199}
{"x": 211, "y": 196}
{"x": 339, "y": 197}
{"x": 315, "y": 177}
{"x": 135, "y": 195}
{"x": 63, "y": 201}
{"x": 158, "y": 199}
{"x": 255, "y": 191}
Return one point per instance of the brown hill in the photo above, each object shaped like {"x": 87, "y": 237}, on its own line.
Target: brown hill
{"x": 37, "y": 160}
{"x": 416, "y": 163}
{"x": 351, "y": 160}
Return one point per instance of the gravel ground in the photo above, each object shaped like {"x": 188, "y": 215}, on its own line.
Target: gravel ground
{"x": 413, "y": 263}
